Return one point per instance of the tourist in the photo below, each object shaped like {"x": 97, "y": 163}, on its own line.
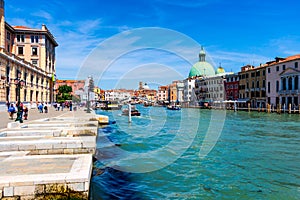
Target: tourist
{"x": 40, "y": 107}
{"x": 25, "y": 112}
{"x": 7, "y": 104}
{"x": 58, "y": 107}
{"x": 11, "y": 111}
{"x": 46, "y": 109}
{"x": 70, "y": 104}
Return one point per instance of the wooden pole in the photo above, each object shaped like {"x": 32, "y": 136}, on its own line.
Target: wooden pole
{"x": 248, "y": 107}
{"x": 290, "y": 108}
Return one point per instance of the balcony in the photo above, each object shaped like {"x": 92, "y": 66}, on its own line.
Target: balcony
{"x": 288, "y": 92}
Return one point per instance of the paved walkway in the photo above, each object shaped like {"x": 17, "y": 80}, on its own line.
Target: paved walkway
{"x": 33, "y": 114}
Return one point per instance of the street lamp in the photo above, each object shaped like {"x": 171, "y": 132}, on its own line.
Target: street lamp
{"x": 19, "y": 83}
{"x": 90, "y": 89}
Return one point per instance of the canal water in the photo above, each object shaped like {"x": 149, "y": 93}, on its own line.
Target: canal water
{"x": 198, "y": 154}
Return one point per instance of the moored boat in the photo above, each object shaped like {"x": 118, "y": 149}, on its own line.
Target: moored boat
{"x": 173, "y": 107}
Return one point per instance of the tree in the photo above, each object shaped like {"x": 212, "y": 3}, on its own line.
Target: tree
{"x": 64, "y": 93}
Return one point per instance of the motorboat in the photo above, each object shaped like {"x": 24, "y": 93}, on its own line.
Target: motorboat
{"x": 173, "y": 107}
{"x": 134, "y": 112}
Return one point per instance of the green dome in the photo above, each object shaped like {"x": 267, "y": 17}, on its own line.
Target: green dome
{"x": 220, "y": 70}
{"x": 201, "y": 69}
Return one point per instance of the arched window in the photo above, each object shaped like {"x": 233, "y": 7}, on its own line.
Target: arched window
{"x": 283, "y": 83}
{"x": 296, "y": 83}
{"x": 277, "y": 86}
{"x": 290, "y": 82}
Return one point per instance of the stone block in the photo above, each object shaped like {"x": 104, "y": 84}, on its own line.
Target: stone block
{"x": 13, "y": 124}
{"x": 55, "y": 151}
{"x": 39, "y": 189}
{"x": 74, "y": 145}
{"x": 56, "y": 188}
{"x": 60, "y": 146}
{"x": 68, "y": 151}
{"x": 24, "y": 190}
{"x": 8, "y": 191}
{"x": 77, "y": 187}
{"x": 28, "y": 197}
{"x": 26, "y": 147}
{"x": 43, "y": 146}
{"x": 42, "y": 152}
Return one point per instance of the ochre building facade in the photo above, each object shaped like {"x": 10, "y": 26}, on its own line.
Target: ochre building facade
{"x": 29, "y": 54}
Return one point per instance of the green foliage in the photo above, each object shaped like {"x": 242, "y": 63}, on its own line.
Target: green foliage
{"x": 64, "y": 93}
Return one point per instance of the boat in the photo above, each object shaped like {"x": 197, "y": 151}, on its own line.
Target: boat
{"x": 134, "y": 112}
{"x": 108, "y": 105}
{"x": 173, "y": 107}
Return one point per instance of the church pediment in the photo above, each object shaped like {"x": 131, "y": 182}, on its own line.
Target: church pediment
{"x": 290, "y": 71}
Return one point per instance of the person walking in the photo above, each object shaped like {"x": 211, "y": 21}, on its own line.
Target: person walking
{"x": 46, "y": 109}
{"x": 25, "y": 112}
{"x": 70, "y": 105}
{"x": 11, "y": 111}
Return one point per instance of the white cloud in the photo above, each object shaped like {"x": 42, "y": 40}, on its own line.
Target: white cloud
{"x": 43, "y": 14}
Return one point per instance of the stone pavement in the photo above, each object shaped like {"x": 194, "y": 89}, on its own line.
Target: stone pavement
{"x": 49, "y": 156}
{"x": 34, "y": 114}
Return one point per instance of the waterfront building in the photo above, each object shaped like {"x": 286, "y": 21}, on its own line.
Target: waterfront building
{"x": 199, "y": 69}
{"x": 252, "y": 85}
{"x": 28, "y": 54}
{"x": 210, "y": 90}
{"x": 232, "y": 87}
{"x": 117, "y": 95}
{"x": 163, "y": 94}
{"x": 283, "y": 76}
{"x": 188, "y": 91}
{"x": 76, "y": 85}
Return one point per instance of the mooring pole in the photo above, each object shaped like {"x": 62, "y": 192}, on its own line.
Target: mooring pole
{"x": 129, "y": 112}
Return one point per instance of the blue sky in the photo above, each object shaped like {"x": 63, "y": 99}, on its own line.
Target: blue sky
{"x": 234, "y": 33}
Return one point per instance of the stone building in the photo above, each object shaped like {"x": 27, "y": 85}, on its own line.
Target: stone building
{"x": 28, "y": 54}
{"x": 283, "y": 85}
{"x": 252, "y": 85}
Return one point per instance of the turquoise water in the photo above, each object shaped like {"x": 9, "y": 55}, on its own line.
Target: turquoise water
{"x": 157, "y": 156}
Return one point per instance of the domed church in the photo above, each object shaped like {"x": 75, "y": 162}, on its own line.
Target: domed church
{"x": 202, "y": 68}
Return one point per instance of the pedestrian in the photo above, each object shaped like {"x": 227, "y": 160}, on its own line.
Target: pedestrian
{"x": 58, "y": 107}
{"x": 11, "y": 111}
{"x": 25, "y": 112}
{"x": 40, "y": 107}
{"x": 7, "y": 104}
{"x": 70, "y": 104}
{"x": 62, "y": 106}
{"x": 46, "y": 109}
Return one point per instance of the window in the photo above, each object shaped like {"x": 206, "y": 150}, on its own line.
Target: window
{"x": 20, "y": 38}
{"x": 253, "y": 74}
{"x": 34, "y": 39}
{"x": 20, "y": 51}
{"x": 8, "y": 48}
{"x": 277, "y": 86}
{"x": 283, "y": 67}
{"x": 296, "y": 64}
{"x": 8, "y": 35}
{"x": 269, "y": 86}
{"x": 264, "y": 72}
{"x": 34, "y": 51}
{"x": 247, "y": 75}
{"x": 34, "y": 62}
{"x": 277, "y": 68}
{"x": 258, "y": 73}
{"x": 257, "y": 84}
{"x": 269, "y": 70}
{"x": 252, "y": 84}
{"x": 264, "y": 83}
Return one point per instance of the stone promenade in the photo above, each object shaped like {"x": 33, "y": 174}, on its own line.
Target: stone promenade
{"x": 49, "y": 156}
